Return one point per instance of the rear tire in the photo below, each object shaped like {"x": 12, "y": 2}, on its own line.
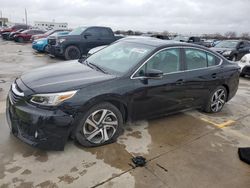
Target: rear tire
{"x": 242, "y": 75}
{"x": 216, "y": 100}
{"x": 100, "y": 125}
{"x": 72, "y": 52}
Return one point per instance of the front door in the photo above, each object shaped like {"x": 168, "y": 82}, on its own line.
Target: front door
{"x": 159, "y": 96}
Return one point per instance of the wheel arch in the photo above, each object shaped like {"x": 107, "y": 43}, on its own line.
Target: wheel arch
{"x": 228, "y": 91}
{"x": 114, "y": 99}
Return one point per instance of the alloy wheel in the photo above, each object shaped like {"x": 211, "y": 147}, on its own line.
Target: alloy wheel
{"x": 73, "y": 54}
{"x": 100, "y": 126}
{"x": 218, "y": 100}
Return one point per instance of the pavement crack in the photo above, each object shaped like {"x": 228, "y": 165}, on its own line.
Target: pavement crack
{"x": 163, "y": 168}
{"x": 109, "y": 179}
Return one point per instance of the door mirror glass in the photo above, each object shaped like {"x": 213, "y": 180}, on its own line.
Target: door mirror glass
{"x": 154, "y": 74}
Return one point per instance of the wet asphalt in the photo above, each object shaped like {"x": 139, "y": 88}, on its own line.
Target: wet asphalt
{"x": 190, "y": 149}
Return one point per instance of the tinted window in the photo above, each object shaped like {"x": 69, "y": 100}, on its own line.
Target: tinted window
{"x": 105, "y": 33}
{"x": 196, "y": 59}
{"x": 93, "y": 31}
{"x": 167, "y": 61}
{"x": 212, "y": 60}
{"x": 78, "y": 31}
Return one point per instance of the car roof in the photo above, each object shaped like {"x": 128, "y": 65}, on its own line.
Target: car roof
{"x": 158, "y": 43}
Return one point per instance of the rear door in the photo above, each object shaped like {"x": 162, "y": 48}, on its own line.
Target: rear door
{"x": 203, "y": 74}
{"x": 106, "y": 36}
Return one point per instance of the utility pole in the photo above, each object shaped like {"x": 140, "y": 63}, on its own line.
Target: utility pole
{"x": 1, "y": 18}
{"x": 26, "y": 20}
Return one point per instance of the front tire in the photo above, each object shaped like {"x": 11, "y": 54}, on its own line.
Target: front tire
{"x": 100, "y": 125}
{"x": 234, "y": 58}
{"x": 72, "y": 52}
{"x": 20, "y": 39}
{"x": 216, "y": 100}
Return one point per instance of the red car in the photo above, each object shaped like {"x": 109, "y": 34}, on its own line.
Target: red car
{"x": 15, "y": 28}
{"x": 48, "y": 33}
{"x": 27, "y": 34}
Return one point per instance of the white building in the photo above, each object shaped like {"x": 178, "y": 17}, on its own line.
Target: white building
{"x": 50, "y": 25}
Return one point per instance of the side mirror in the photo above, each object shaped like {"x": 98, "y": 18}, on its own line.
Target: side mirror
{"x": 86, "y": 35}
{"x": 154, "y": 74}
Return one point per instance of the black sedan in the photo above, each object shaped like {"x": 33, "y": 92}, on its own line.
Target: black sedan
{"x": 89, "y": 100}
{"x": 233, "y": 50}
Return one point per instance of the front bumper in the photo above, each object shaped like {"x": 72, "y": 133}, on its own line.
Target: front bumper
{"x": 55, "y": 50}
{"x": 42, "y": 128}
{"x": 245, "y": 70}
{"x": 38, "y": 47}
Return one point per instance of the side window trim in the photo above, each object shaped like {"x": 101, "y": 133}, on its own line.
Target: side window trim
{"x": 133, "y": 76}
{"x": 207, "y": 52}
{"x": 182, "y": 61}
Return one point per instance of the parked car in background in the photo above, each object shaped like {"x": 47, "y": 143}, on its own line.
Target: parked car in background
{"x": 12, "y": 34}
{"x": 15, "y": 28}
{"x": 5, "y": 35}
{"x": 41, "y": 45}
{"x": 80, "y": 41}
{"x": 27, "y": 34}
{"x": 210, "y": 42}
{"x": 244, "y": 64}
{"x": 233, "y": 50}
{"x": 131, "y": 79}
{"x": 190, "y": 39}
{"x": 158, "y": 36}
{"x": 48, "y": 33}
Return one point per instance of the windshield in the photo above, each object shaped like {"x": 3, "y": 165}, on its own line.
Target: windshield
{"x": 120, "y": 57}
{"x": 78, "y": 31}
{"x": 25, "y": 31}
{"x": 59, "y": 33}
{"x": 181, "y": 38}
{"x": 227, "y": 44}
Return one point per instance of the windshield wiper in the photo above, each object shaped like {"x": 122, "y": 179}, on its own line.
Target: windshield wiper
{"x": 96, "y": 67}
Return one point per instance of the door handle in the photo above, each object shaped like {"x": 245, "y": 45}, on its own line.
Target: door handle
{"x": 179, "y": 82}
{"x": 214, "y": 75}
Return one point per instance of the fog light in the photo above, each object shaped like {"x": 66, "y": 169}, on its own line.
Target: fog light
{"x": 36, "y": 134}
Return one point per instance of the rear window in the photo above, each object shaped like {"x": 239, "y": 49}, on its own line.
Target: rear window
{"x": 196, "y": 59}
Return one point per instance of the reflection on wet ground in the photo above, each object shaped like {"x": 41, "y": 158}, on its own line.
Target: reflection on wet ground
{"x": 188, "y": 149}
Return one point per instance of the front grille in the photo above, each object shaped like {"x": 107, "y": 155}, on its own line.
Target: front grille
{"x": 52, "y": 41}
{"x": 15, "y": 94}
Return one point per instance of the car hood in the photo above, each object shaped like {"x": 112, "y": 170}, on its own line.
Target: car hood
{"x": 64, "y": 76}
{"x": 70, "y": 37}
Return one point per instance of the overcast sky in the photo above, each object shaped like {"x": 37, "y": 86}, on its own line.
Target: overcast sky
{"x": 183, "y": 16}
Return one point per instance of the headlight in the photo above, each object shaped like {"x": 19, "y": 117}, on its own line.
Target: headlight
{"x": 39, "y": 42}
{"x": 227, "y": 52}
{"x": 52, "y": 99}
{"x": 61, "y": 40}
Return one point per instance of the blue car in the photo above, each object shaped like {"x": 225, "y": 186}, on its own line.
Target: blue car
{"x": 41, "y": 45}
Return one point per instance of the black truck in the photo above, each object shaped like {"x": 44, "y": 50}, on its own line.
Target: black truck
{"x": 78, "y": 42}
